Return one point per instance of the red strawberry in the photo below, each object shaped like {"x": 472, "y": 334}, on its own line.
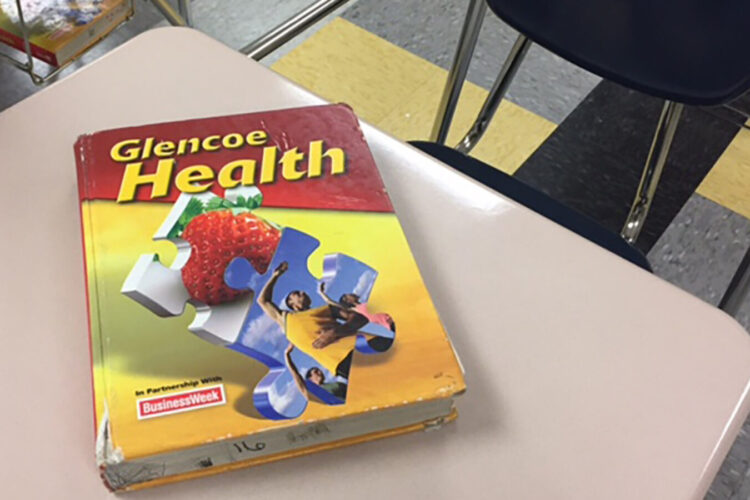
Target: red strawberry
{"x": 215, "y": 239}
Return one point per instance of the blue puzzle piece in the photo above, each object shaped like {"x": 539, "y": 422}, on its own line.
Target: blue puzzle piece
{"x": 343, "y": 274}
{"x": 339, "y": 272}
{"x": 276, "y": 396}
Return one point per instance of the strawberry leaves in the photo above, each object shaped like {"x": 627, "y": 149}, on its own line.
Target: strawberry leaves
{"x": 196, "y": 207}
{"x": 193, "y": 209}
{"x": 217, "y": 203}
{"x": 249, "y": 203}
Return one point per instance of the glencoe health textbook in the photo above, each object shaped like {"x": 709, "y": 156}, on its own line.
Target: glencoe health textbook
{"x": 251, "y": 295}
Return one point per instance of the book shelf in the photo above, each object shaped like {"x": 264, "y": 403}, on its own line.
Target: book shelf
{"x": 25, "y": 61}
{"x": 181, "y": 16}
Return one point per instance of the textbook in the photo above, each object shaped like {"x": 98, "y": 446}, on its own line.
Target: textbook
{"x": 251, "y": 296}
{"x": 60, "y": 30}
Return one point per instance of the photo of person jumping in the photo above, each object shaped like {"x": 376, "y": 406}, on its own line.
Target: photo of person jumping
{"x": 349, "y": 306}
{"x": 327, "y": 333}
{"x": 329, "y": 330}
{"x": 314, "y": 375}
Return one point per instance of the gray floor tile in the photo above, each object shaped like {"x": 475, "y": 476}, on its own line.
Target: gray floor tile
{"x": 545, "y": 84}
{"x": 238, "y": 22}
{"x": 701, "y": 249}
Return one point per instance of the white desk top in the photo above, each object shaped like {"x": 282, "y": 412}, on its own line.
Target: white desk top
{"x": 587, "y": 377}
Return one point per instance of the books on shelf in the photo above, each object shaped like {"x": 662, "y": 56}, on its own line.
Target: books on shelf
{"x": 60, "y": 30}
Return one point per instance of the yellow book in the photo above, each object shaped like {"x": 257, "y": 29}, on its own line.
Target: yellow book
{"x": 251, "y": 296}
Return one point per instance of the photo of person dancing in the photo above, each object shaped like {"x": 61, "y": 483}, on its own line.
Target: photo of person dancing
{"x": 327, "y": 333}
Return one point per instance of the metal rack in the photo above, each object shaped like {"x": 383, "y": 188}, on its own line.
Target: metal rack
{"x": 182, "y": 16}
{"x": 27, "y": 66}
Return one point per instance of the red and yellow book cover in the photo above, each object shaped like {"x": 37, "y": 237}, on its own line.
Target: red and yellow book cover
{"x": 60, "y": 30}
{"x": 247, "y": 274}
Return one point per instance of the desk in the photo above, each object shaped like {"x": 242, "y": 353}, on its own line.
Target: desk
{"x": 587, "y": 377}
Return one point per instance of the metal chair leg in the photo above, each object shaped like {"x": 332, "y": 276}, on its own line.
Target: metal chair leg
{"x": 657, "y": 157}
{"x": 738, "y": 288}
{"x": 457, "y": 74}
{"x": 186, "y": 11}
{"x": 502, "y": 82}
{"x": 171, "y": 15}
{"x": 288, "y": 29}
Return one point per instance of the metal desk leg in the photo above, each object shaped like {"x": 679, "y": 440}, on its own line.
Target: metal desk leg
{"x": 738, "y": 287}
{"x": 502, "y": 82}
{"x": 29, "y": 66}
{"x": 174, "y": 18}
{"x": 655, "y": 161}
{"x": 186, "y": 11}
{"x": 290, "y": 28}
{"x": 457, "y": 74}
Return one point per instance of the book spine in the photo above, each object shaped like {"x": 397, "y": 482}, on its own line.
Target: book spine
{"x": 17, "y": 42}
{"x": 81, "y": 153}
{"x": 252, "y": 462}
{"x": 88, "y": 35}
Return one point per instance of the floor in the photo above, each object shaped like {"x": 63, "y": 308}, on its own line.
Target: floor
{"x": 563, "y": 130}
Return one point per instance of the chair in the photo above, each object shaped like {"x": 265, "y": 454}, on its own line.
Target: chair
{"x": 535, "y": 200}
{"x": 684, "y": 51}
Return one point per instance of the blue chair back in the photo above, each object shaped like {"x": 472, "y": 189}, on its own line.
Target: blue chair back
{"x": 689, "y": 51}
{"x": 535, "y": 200}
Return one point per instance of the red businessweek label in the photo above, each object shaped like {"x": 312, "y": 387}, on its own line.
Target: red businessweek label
{"x": 314, "y": 157}
{"x": 181, "y": 401}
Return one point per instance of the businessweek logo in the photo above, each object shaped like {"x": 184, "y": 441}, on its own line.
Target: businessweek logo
{"x": 179, "y": 402}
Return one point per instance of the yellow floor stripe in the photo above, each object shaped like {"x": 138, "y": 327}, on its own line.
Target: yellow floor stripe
{"x": 398, "y": 92}
{"x": 728, "y": 182}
